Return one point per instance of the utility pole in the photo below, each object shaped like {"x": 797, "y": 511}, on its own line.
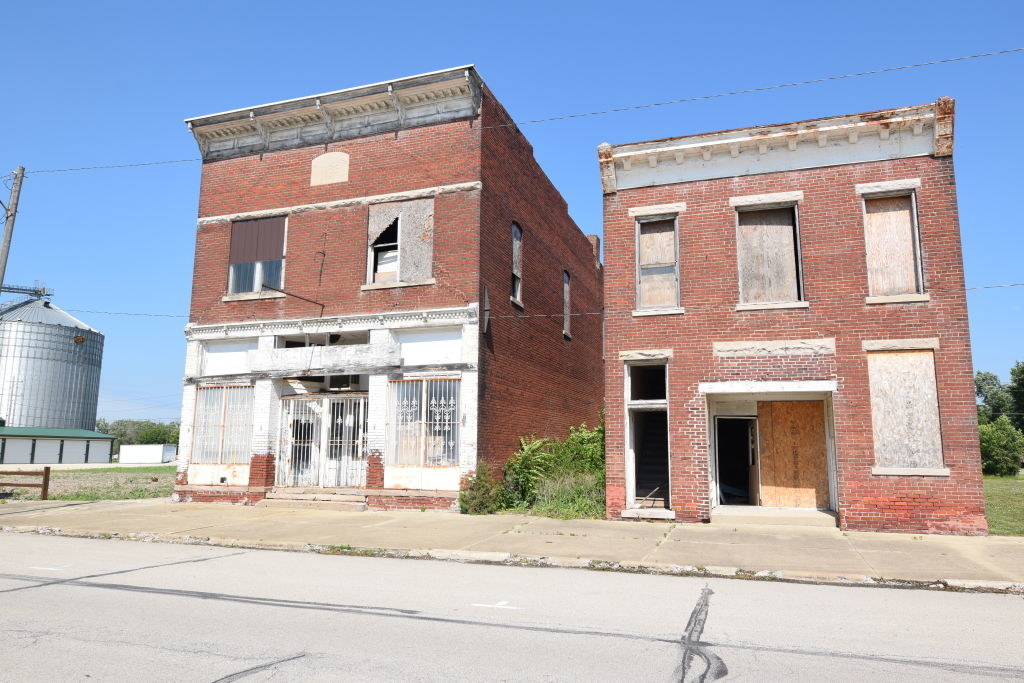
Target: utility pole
{"x": 12, "y": 211}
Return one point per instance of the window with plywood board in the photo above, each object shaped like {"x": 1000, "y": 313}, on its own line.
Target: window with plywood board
{"x": 905, "y": 409}
{"x": 768, "y": 255}
{"x": 891, "y": 245}
{"x": 657, "y": 264}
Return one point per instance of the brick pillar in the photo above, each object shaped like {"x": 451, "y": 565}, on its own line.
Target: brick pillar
{"x": 374, "y": 470}
{"x": 261, "y": 470}
{"x": 181, "y": 477}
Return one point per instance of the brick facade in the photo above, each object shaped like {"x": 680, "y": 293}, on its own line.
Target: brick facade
{"x": 835, "y": 283}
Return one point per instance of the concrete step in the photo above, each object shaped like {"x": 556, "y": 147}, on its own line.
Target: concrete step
{"x": 311, "y": 504}
{"x": 322, "y": 495}
{"x": 752, "y": 515}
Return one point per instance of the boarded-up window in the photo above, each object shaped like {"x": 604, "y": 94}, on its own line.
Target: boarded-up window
{"x": 517, "y": 263}
{"x": 904, "y": 409}
{"x": 656, "y": 264}
{"x": 401, "y": 239}
{"x": 257, "y": 254}
{"x": 891, "y": 243}
{"x": 767, "y": 253}
{"x": 222, "y": 431}
{"x": 566, "y": 308}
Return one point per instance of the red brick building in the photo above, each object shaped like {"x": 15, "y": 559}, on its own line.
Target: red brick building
{"x": 382, "y": 299}
{"x": 786, "y": 325}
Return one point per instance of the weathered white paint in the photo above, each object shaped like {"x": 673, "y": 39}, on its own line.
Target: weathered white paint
{"x": 888, "y": 186}
{"x": 347, "y": 359}
{"x": 227, "y": 356}
{"x": 894, "y": 134}
{"x": 205, "y": 474}
{"x": 659, "y": 311}
{"x": 430, "y": 346}
{"x": 773, "y": 305}
{"x": 767, "y": 199}
{"x": 911, "y": 471}
{"x": 898, "y": 298}
{"x": 329, "y": 168}
{"x": 424, "y": 478}
{"x": 899, "y": 344}
{"x": 657, "y": 209}
{"x": 645, "y": 354}
{"x": 767, "y": 387}
{"x": 420, "y": 193}
{"x": 779, "y": 347}
{"x": 392, "y": 285}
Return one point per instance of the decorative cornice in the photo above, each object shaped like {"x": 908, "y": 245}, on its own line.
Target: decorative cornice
{"x": 391, "y": 319}
{"x": 437, "y": 97}
{"x": 420, "y": 193}
{"x": 889, "y": 134}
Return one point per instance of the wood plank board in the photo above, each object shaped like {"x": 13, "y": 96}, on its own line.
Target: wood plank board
{"x": 766, "y": 246}
{"x": 905, "y": 409}
{"x": 794, "y": 470}
{"x": 889, "y": 243}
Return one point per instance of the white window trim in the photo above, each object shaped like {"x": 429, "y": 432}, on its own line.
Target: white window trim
{"x": 887, "y": 186}
{"x": 918, "y": 344}
{"x": 675, "y": 310}
{"x": 898, "y": 298}
{"x": 770, "y": 306}
{"x": 258, "y": 271}
{"x": 768, "y": 201}
{"x": 910, "y": 471}
{"x": 371, "y": 255}
{"x": 657, "y": 209}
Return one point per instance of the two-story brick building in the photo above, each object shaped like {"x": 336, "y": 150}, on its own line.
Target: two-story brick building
{"x": 786, "y": 324}
{"x": 382, "y": 299}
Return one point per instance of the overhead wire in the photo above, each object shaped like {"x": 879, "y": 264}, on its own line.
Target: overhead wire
{"x": 601, "y": 112}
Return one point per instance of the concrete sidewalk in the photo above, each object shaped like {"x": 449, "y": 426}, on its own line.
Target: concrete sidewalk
{"x": 780, "y": 552}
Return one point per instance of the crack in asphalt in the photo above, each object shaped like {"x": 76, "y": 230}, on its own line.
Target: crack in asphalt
{"x": 256, "y": 669}
{"x": 693, "y": 648}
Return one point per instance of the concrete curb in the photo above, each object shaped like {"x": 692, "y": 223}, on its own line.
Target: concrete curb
{"x": 546, "y": 561}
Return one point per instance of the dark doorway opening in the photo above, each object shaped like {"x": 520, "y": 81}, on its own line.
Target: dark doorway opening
{"x": 737, "y": 465}
{"x": 650, "y": 449}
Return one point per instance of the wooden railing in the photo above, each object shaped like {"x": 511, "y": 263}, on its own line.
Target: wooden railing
{"x": 45, "y": 486}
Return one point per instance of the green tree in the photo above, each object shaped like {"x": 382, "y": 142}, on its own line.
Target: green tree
{"x": 1002, "y": 447}
{"x": 166, "y": 433}
{"x": 996, "y": 397}
{"x": 1016, "y": 389}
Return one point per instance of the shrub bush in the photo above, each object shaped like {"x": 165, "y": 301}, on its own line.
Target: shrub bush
{"x": 571, "y": 495}
{"x": 1002, "y": 447}
{"x": 479, "y": 492}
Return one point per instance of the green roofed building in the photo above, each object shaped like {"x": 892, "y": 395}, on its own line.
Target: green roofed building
{"x": 29, "y": 445}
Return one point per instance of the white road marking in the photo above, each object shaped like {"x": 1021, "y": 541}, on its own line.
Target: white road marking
{"x": 498, "y": 605}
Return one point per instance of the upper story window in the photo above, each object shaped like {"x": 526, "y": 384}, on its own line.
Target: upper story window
{"x": 892, "y": 246}
{"x": 768, "y": 255}
{"x": 566, "y": 305}
{"x": 401, "y": 243}
{"x": 257, "y": 254}
{"x": 517, "y": 264}
{"x": 657, "y": 264}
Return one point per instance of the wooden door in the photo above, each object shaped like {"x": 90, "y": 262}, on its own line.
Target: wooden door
{"x": 793, "y": 465}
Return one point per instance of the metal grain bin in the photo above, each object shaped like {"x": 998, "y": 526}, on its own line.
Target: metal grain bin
{"x": 49, "y": 367}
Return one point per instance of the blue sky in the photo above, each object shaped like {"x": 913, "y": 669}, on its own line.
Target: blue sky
{"x": 88, "y": 84}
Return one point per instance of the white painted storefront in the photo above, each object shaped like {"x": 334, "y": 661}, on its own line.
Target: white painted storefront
{"x": 323, "y": 394}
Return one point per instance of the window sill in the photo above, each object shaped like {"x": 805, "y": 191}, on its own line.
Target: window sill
{"x": 911, "y": 471}
{"x": 658, "y": 311}
{"x": 566, "y": 336}
{"x": 770, "y": 306}
{"x": 897, "y": 298}
{"x": 648, "y": 513}
{"x": 253, "y": 296}
{"x": 517, "y": 303}
{"x": 393, "y": 285}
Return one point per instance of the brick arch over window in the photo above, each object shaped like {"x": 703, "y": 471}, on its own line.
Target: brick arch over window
{"x": 328, "y": 168}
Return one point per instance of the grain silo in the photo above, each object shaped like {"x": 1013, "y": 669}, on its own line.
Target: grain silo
{"x": 49, "y": 367}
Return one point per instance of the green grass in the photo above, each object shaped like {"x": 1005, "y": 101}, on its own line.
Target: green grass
{"x": 1004, "y": 505}
{"x": 104, "y": 483}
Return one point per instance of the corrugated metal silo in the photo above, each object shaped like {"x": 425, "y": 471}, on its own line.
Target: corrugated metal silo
{"x": 49, "y": 367}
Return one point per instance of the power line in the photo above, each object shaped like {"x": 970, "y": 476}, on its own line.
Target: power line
{"x": 601, "y": 112}
{"x": 546, "y": 315}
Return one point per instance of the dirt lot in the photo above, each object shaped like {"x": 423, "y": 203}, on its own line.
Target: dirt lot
{"x": 108, "y": 483}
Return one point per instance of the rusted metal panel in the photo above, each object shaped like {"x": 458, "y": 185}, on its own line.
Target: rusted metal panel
{"x": 891, "y": 245}
{"x": 905, "y": 409}
{"x": 792, "y": 460}
{"x": 767, "y": 256}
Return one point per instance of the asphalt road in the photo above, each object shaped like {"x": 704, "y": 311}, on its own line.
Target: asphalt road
{"x": 80, "y": 609}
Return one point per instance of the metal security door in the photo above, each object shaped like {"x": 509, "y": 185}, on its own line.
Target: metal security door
{"x": 345, "y": 464}
{"x": 302, "y": 446}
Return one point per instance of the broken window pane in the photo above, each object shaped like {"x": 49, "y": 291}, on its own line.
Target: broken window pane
{"x": 647, "y": 382}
